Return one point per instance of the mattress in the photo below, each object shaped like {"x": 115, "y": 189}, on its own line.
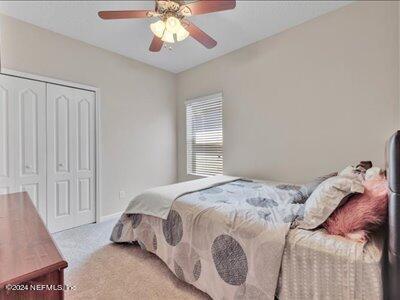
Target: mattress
{"x": 316, "y": 265}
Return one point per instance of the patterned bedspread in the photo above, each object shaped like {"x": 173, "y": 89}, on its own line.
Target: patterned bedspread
{"x": 227, "y": 240}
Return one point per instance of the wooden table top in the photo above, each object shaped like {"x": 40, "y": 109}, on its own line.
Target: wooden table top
{"x": 27, "y": 250}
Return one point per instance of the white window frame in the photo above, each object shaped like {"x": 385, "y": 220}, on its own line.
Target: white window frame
{"x": 189, "y": 157}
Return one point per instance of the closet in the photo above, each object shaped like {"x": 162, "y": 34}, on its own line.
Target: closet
{"x": 47, "y": 148}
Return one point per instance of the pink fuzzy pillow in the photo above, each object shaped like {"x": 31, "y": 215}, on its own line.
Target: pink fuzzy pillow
{"x": 362, "y": 213}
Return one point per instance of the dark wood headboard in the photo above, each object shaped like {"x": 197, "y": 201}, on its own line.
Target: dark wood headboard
{"x": 392, "y": 268}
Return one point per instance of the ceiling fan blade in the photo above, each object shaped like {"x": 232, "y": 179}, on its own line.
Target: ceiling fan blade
{"x": 156, "y": 44}
{"x": 123, "y": 14}
{"x": 209, "y": 6}
{"x": 200, "y": 36}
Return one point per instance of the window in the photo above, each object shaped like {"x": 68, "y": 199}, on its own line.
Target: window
{"x": 204, "y": 135}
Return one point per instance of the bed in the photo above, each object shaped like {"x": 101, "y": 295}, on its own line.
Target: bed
{"x": 236, "y": 240}
{"x": 316, "y": 265}
{"x": 218, "y": 242}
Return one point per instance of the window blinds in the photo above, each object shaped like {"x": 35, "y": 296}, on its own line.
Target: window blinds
{"x": 204, "y": 137}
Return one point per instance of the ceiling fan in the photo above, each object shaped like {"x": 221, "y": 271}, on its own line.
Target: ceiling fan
{"x": 173, "y": 25}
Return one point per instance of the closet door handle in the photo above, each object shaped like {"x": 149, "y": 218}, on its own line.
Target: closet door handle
{"x": 28, "y": 167}
{"x": 61, "y": 165}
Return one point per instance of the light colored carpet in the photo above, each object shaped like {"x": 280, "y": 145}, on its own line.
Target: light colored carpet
{"x": 102, "y": 270}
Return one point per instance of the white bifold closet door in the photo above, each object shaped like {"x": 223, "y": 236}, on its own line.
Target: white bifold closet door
{"x": 70, "y": 157}
{"x": 23, "y": 139}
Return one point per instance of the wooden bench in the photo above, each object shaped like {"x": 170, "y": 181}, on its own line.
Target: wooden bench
{"x": 31, "y": 266}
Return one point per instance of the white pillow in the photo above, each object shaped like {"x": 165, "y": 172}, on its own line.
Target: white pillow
{"x": 351, "y": 172}
{"x": 348, "y": 171}
{"x": 372, "y": 172}
{"x": 329, "y": 195}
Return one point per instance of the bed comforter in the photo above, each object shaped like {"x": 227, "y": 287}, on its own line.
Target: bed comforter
{"x": 157, "y": 202}
{"x": 227, "y": 240}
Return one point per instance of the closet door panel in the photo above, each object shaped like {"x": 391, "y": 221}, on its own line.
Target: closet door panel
{"x": 30, "y": 132}
{"x": 60, "y": 176}
{"x": 86, "y": 157}
{"x": 23, "y": 139}
{"x": 28, "y": 118}
{"x": 4, "y": 128}
{"x": 62, "y": 132}
{"x": 70, "y": 147}
{"x": 63, "y": 200}
{"x": 6, "y": 147}
{"x": 84, "y": 143}
{"x": 84, "y": 192}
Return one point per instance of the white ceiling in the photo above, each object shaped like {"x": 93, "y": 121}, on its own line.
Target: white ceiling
{"x": 249, "y": 22}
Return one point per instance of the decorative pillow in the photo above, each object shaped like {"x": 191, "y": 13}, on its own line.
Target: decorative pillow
{"x": 329, "y": 195}
{"x": 301, "y": 193}
{"x": 358, "y": 171}
{"x": 349, "y": 171}
{"x": 373, "y": 172}
{"x": 308, "y": 188}
{"x": 362, "y": 213}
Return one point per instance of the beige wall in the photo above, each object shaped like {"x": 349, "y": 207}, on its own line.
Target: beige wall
{"x": 306, "y": 101}
{"x": 138, "y": 120}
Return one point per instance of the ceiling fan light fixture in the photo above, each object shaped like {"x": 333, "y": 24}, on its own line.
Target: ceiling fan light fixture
{"x": 168, "y": 37}
{"x": 158, "y": 28}
{"x": 181, "y": 34}
{"x": 172, "y": 24}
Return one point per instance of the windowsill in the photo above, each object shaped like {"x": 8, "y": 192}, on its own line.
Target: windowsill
{"x": 197, "y": 175}
{"x": 202, "y": 176}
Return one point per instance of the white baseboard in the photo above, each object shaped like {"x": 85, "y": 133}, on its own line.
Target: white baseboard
{"x": 110, "y": 217}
